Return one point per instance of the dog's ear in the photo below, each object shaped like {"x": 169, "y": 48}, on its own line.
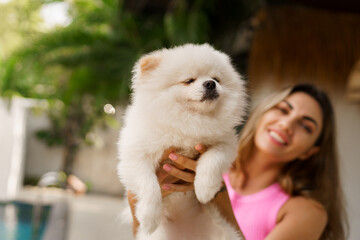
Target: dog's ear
{"x": 149, "y": 63}
{"x": 142, "y": 69}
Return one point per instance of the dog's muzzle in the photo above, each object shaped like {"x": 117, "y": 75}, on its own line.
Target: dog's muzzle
{"x": 210, "y": 90}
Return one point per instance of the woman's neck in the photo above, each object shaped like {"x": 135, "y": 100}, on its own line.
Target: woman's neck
{"x": 261, "y": 172}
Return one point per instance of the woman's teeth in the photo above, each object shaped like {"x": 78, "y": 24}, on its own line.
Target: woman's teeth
{"x": 277, "y": 137}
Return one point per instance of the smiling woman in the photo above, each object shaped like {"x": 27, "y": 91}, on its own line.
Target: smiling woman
{"x": 289, "y": 140}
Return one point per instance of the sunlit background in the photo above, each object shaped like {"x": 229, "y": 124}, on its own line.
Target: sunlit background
{"x": 65, "y": 70}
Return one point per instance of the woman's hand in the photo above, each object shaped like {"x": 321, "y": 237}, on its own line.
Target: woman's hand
{"x": 175, "y": 177}
{"x": 179, "y": 175}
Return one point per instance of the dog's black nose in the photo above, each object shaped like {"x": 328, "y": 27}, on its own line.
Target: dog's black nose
{"x": 210, "y": 84}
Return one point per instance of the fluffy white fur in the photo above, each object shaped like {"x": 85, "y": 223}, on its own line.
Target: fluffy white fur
{"x": 168, "y": 112}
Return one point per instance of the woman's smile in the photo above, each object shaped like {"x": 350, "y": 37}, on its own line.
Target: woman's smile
{"x": 278, "y": 137}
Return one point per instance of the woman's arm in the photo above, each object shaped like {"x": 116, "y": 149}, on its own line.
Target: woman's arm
{"x": 222, "y": 202}
{"x": 132, "y": 202}
{"x": 299, "y": 218}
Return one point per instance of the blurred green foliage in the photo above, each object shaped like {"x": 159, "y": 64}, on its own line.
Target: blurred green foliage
{"x": 80, "y": 67}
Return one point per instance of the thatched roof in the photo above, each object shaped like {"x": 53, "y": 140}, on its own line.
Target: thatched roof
{"x": 296, "y": 44}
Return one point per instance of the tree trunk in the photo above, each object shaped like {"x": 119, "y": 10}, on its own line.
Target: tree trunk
{"x": 71, "y": 143}
{"x": 70, "y": 153}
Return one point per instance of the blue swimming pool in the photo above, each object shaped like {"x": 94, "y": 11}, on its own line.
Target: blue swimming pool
{"x": 23, "y": 221}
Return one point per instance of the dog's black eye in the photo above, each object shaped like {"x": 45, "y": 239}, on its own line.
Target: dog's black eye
{"x": 216, "y": 79}
{"x": 189, "y": 81}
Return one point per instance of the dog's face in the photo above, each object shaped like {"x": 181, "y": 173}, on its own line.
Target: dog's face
{"x": 195, "y": 90}
{"x": 193, "y": 77}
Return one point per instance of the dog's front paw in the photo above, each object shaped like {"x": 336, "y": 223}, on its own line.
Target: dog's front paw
{"x": 204, "y": 190}
{"x": 149, "y": 216}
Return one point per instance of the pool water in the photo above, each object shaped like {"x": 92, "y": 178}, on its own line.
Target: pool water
{"x": 22, "y": 221}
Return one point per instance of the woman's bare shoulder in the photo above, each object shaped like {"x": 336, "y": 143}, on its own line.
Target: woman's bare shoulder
{"x": 304, "y": 210}
{"x": 300, "y": 218}
{"x": 304, "y": 205}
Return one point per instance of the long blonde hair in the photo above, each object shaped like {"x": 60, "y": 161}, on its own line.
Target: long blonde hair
{"x": 318, "y": 177}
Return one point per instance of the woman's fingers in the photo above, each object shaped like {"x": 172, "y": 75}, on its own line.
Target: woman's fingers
{"x": 165, "y": 177}
{"x": 183, "y": 175}
{"x": 200, "y": 148}
{"x": 183, "y": 161}
{"x": 182, "y": 168}
{"x": 168, "y": 185}
{"x": 166, "y": 153}
{"x": 161, "y": 175}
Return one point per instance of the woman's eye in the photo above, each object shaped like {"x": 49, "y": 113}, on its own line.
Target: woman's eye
{"x": 189, "y": 81}
{"x": 283, "y": 110}
{"x": 306, "y": 127}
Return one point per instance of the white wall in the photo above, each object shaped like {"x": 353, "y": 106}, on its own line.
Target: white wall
{"x": 39, "y": 157}
{"x": 348, "y": 130}
{"x": 6, "y": 137}
{"x": 12, "y": 135}
{"x": 96, "y": 165}
{"x": 21, "y": 153}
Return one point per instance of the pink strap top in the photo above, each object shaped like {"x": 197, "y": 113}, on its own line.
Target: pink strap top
{"x": 256, "y": 213}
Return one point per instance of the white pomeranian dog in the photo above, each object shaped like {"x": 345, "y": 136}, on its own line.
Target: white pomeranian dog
{"x": 181, "y": 96}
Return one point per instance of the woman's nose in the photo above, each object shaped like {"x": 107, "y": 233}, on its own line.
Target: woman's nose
{"x": 287, "y": 124}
